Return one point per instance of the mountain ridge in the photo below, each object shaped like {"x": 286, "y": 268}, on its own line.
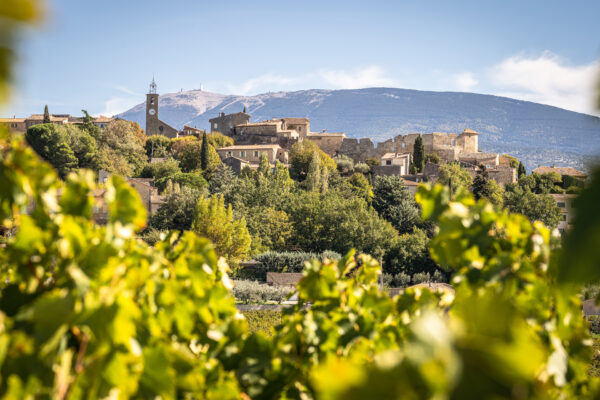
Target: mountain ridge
{"x": 535, "y": 133}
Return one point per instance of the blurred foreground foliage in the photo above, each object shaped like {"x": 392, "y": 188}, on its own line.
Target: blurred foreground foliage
{"x": 91, "y": 311}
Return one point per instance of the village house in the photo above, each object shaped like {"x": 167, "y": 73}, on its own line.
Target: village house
{"x": 144, "y": 186}
{"x": 392, "y": 164}
{"x": 239, "y": 156}
{"x": 565, "y": 203}
{"x": 20, "y": 125}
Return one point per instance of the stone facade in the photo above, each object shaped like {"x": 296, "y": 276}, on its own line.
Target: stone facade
{"x": 448, "y": 146}
{"x": 501, "y": 174}
{"x": 20, "y": 125}
{"x": 565, "y": 203}
{"x": 253, "y": 153}
{"x": 226, "y": 123}
{"x": 330, "y": 143}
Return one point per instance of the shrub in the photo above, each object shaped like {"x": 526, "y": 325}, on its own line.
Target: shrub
{"x": 594, "y": 322}
{"x": 291, "y": 261}
{"x": 362, "y": 168}
{"x": 262, "y": 320}
{"x": 252, "y": 292}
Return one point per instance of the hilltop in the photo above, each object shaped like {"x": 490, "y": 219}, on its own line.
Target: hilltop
{"x": 535, "y": 133}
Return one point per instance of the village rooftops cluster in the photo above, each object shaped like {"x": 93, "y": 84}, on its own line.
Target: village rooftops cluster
{"x": 20, "y": 125}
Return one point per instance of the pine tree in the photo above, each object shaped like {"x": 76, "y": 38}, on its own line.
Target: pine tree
{"x": 244, "y": 110}
{"x": 46, "y": 115}
{"x": 419, "y": 154}
{"x": 521, "y": 170}
{"x": 484, "y": 187}
{"x": 204, "y": 155}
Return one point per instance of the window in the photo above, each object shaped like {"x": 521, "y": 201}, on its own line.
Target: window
{"x": 229, "y": 154}
{"x": 161, "y": 128}
{"x": 561, "y": 204}
{"x": 403, "y": 144}
{"x": 564, "y": 217}
{"x": 152, "y": 100}
{"x": 256, "y": 154}
{"x": 388, "y": 162}
{"x": 242, "y": 154}
{"x": 215, "y": 125}
{"x": 14, "y": 125}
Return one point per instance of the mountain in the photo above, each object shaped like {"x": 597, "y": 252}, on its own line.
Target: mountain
{"x": 534, "y": 133}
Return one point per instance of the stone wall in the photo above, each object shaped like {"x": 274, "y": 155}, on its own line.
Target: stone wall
{"x": 448, "y": 146}
{"x": 329, "y": 143}
{"x": 226, "y": 123}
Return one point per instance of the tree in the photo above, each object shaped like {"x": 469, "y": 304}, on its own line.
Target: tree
{"x": 419, "y": 154}
{"x": 484, "y": 187}
{"x": 204, "y": 157}
{"x": 177, "y": 212}
{"x": 183, "y": 179}
{"x": 521, "y": 170}
{"x": 121, "y": 148}
{"x": 301, "y": 155}
{"x": 361, "y": 187}
{"x": 536, "y": 207}
{"x": 264, "y": 168}
{"x": 432, "y": 158}
{"x": 223, "y": 181}
{"x": 189, "y": 154}
{"x": 52, "y": 144}
{"x": 158, "y": 146}
{"x": 395, "y": 203}
{"x": 84, "y": 146}
{"x": 454, "y": 176}
{"x": 46, "y": 119}
{"x": 335, "y": 221}
{"x": 244, "y": 110}
{"x": 218, "y": 140}
{"x": 161, "y": 169}
{"x": 313, "y": 176}
{"x": 410, "y": 254}
{"x": 214, "y": 221}
{"x": 270, "y": 229}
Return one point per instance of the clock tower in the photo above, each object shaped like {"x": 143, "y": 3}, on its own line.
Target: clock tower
{"x": 152, "y": 121}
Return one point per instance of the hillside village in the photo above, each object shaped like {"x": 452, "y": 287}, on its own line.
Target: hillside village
{"x": 275, "y": 137}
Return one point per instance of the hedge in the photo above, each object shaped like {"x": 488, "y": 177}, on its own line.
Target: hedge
{"x": 262, "y": 320}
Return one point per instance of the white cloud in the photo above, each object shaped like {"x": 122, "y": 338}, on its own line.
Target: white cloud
{"x": 465, "y": 82}
{"x": 370, "y": 76}
{"x": 117, "y": 105}
{"x": 547, "y": 79}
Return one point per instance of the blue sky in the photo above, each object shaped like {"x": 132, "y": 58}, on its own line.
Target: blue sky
{"x": 101, "y": 55}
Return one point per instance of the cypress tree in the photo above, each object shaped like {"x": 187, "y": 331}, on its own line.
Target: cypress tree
{"x": 204, "y": 155}
{"x": 419, "y": 154}
{"x": 244, "y": 110}
{"x": 46, "y": 115}
{"x": 521, "y": 170}
{"x": 313, "y": 177}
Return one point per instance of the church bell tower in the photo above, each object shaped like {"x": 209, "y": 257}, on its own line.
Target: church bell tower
{"x": 152, "y": 122}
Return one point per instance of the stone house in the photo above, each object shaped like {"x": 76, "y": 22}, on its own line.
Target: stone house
{"x": 20, "y": 125}
{"x": 144, "y": 186}
{"x": 226, "y": 123}
{"x": 392, "y": 164}
{"x": 253, "y": 153}
{"x": 189, "y": 130}
{"x": 289, "y": 279}
{"x": 565, "y": 203}
{"x": 329, "y": 142}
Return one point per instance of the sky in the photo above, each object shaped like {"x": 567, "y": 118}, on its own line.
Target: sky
{"x": 101, "y": 55}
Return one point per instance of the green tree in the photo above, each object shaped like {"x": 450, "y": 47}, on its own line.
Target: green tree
{"x": 536, "y": 207}
{"x": 270, "y": 229}
{"x": 334, "y": 221}
{"x": 46, "y": 119}
{"x": 183, "y": 179}
{"x": 301, "y": 155}
{"x": 218, "y": 140}
{"x": 204, "y": 156}
{"x": 161, "y": 169}
{"x": 158, "y": 146}
{"x": 121, "y": 148}
{"x": 419, "y": 154}
{"x": 52, "y": 144}
{"x": 395, "y": 203}
{"x": 454, "y": 176}
{"x": 264, "y": 168}
{"x": 432, "y": 159}
{"x": 189, "y": 155}
{"x": 177, "y": 212}
{"x": 313, "y": 176}
{"x": 521, "y": 170}
{"x": 410, "y": 254}
{"x": 84, "y": 146}
{"x": 223, "y": 181}
{"x": 361, "y": 187}
{"x": 215, "y": 221}
{"x": 484, "y": 187}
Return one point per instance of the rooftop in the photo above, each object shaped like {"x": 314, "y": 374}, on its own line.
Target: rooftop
{"x": 284, "y": 278}
{"x": 251, "y": 147}
{"x": 560, "y": 170}
{"x": 395, "y": 155}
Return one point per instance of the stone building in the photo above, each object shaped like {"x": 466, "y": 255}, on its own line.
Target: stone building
{"x": 154, "y": 126}
{"x": 448, "y": 146}
{"x": 281, "y": 131}
{"x": 226, "y": 123}
{"x": 393, "y": 164}
{"x": 562, "y": 171}
{"x": 144, "y": 186}
{"x": 565, "y": 203}
{"x": 189, "y": 130}
{"x": 20, "y": 125}
{"x": 253, "y": 153}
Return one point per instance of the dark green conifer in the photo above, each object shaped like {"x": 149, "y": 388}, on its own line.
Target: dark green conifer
{"x": 204, "y": 153}
{"x": 521, "y": 170}
{"x": 419, "y": 154}
{"x": 46, "y": 115}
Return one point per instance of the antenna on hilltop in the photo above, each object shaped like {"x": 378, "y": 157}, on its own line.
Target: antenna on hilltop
{"x": 153, "y": 86}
